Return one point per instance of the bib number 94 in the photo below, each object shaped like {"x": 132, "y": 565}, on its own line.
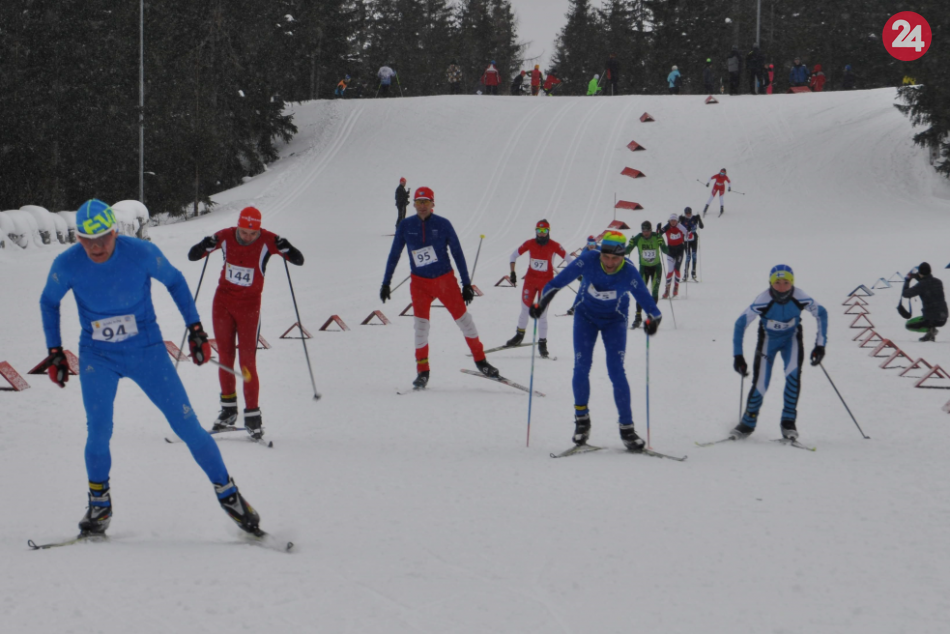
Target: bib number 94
{"x": 115, "y": 329}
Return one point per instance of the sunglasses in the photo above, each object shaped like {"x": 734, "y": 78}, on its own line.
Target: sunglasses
{"x": 543, "y": 231}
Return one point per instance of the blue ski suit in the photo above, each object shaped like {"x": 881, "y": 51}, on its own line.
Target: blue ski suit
{"x": 120, "y": 338}
{"x": 780, "y": 330}
{"x": 602, "y": 305}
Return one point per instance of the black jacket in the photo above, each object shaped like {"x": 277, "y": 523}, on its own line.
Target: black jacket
{"x": 755, "y": 61}
{"x": 402, "y": 196}
{"x": 930, "y": 291}
{"x": 613, "y": 69}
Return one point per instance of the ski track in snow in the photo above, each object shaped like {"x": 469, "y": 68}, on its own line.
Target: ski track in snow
{"x": 428, "y": 513}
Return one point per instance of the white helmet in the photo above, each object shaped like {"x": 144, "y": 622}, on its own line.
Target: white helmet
{"x": 675, "y": 67}
{"x": 596, "y": 76}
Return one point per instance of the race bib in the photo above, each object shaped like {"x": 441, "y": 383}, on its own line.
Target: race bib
{"x": 424, "y": 256}
{"x": 604, "y": 296}
{"x": 649, "y": 254}
{"x": 240, "y": 275}
{"x": 115, "y": 329}
{"x": 539, "y": 265}
{"x": 771, "y": 324}
{"x": 690, "y": 236}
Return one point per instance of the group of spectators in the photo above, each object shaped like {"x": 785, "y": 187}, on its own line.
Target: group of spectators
{"x": 761, "y": 78}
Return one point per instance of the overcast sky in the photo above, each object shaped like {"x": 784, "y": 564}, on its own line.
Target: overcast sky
{"x": 539, "y": 21}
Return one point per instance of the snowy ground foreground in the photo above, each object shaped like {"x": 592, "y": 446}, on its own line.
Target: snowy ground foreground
{"x": 426, "y": 513}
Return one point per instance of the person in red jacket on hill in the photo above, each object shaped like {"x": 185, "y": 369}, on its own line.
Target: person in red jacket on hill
{"x": 722, "y": 181}
{"x": 540, "y": 271}
{"x": 675, "y": 235}
{"x": 535, "y": 80}
{"x": 817, "y": 80}
{"x": 236, "y": 310}
{"x": 491, "y": 78}
{"x": 550, "y": 82}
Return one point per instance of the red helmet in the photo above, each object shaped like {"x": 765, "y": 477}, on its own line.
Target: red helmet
{"x": 424, "y": 193}
{"x": 543, "y": 224}
{"x": 402, "y": 180}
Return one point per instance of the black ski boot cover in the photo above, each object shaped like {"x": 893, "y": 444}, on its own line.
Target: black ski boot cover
{"x": 237, "y": 507}
{"x": 253, "y": 423}
{"x": 581, "y": 429}
{"x": 487, "y": 369}
{"x": 543, "y": 348}
{"x": 422, "y": 380}
{"x": 229, "y": 413}
{"x": 516, "y": 340}
{"x": 630, "y": 439}
{"x": 99, "y": 514}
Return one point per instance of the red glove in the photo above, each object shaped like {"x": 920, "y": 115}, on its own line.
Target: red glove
{"x": 57, "y": 367}
{"x": 198, "y": 343}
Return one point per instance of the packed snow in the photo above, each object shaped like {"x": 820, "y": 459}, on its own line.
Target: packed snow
{"x": 427, "y": 512}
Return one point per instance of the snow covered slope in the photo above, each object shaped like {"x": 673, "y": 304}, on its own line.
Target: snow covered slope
{"x": 426, "y": 513}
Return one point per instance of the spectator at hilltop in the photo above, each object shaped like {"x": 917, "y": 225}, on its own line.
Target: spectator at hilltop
{"x": 798, "y": 76}
{"x": 755, "y": 62}
{"x": 734, "y": 66}
{"x": 613, "y": 74}
{"x": 817, "y": 80}
{"x": 490, "y": 79}
{"x": 454, "y": 76}
{"x": 849, "y": 79}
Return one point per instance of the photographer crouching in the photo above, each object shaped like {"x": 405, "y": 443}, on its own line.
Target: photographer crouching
{"x": 930, "y": 291}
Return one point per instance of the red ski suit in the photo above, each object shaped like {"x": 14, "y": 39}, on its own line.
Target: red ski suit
{"x": 237, "y": 307}
{"x": 720, "y": 186}
{"x": 540, "y": 268}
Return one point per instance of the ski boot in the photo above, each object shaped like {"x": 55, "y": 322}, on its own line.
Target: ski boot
{"x": 487, "y": 369}
{"x": 237, "y": 507}
{"x": 788, "y": 430}
{"x": 694, "y": 277}
{"x": 930, "y": 335}
{"x": 581, "y": 429}
{"x": 705, "y": 209}
{"x": 722, "y": 210}
{"x": 676, "y": 290}
{"x": 99, "y": 513}
{"x": 637, "y": 321}
{"x": 741, "y": 431}
{"x": 422, "y": 380}
{"x": 630, "y": 439}
{"x": 253, "y": 423}
{"x": 516, "y": 340}
{"x": 228, "y": 415}
{"x": 666, "y": 293}
{"x": 543, "y": 348}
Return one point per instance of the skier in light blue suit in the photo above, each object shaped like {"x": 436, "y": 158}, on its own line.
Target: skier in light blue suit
{"x": 111, "y": 279}
{"x": 603, "y": 306}
{"x": 779, "y": 312}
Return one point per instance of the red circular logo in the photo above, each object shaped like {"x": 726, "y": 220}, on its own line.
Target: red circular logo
{"x": 907, "y": 36}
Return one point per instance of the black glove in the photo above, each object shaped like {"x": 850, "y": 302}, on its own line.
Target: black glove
{"x": 203, "y": 248}
{"x": 651, "y": 325}
{"x": 384, "y": 293}
{"x": 707, "y": 185}
{"x": 536, "y": 311}
{"x": 730, "y": 188}
{"x": 290, "y": 251}
{"x": 468, "y": 294}
{"x": 514, "y": 278}
{"x": 198, "y": 343}
{"x": 739, "y": 365}
{"x": 817, "y": 354}
{"x": 56, "y": 366}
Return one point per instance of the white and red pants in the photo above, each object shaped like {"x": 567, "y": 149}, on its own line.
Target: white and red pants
{"x": 530, "y": 290}
{"x": 444, "y": 288}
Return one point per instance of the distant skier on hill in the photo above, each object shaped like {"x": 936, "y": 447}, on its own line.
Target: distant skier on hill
{"x": 848, "y": 82}
{"x": 341, "y": 88}
{"x": 650, "y": 246}
{"x": 517, "y": 84}
{"x": 111, "y": 278}
{"x": 755, "y": 63}
{"x": 536, "y": 76}
{"x": 540, "y": 271}
{"x": 603, "y": 307}
{"x": 428, "y": 238}
{"x": 779, "y": 311}
{"x": 386, "y": 76}
{"x": 817, "y": 80}
{"x": 675, "y": 235}
{"x": 236, "y": 311}
{"x": 734, "y": 66}
{"x": 930, "y": 291}
{"x": 674, "y": 79}
{"x": 593, "y": 86}
{"x": 720, "y": 188}
{"x": 491, "y": 78}
{"x": 550, "y": 83}
{"x": 402, "y": 201}
{"x": 453, "y": 74}
{"x": 692, "y": 224}
{"x": 708, "y": 78}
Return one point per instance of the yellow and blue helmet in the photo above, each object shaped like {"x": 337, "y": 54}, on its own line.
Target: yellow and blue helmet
{"x": 94, "y": 219}
{"x": 781, "y": 272}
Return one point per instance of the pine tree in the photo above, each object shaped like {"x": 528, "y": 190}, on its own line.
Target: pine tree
{"x": 575, "y": 56}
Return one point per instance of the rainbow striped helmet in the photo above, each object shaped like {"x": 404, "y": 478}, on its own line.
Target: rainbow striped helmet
{"x": 613, "y": 243}
{"x": 781, "y": 272}
{"x": 94, "y": 218}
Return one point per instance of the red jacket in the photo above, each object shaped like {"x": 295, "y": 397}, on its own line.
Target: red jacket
{"x": 550, "y": 81}
{"x": 243, "y": 273}
{"x": 535, "y": 77}
{"x": 817, "y": 81}
{"x": 541, "y": 266}
{"x": 490, "y": 76}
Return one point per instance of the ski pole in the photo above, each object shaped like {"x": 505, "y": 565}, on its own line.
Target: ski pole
{"x": 402, "y": 282}
{"x": 400, "y": 86}
{"x": 842, "y": 401}
{"x": 303, "y": 339}
{"x": 197, "y": 290}
{"x": 477, "y": 253}
{"x": 741, "y": 390}
{"x": 378, "y": 89}
{"x": 534, "y": 342}
{"x": 648, "y": 389}
{"x": 244, "y": 375}
{"x": 700, "y": 182}
{"x": 737, "y": 192}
